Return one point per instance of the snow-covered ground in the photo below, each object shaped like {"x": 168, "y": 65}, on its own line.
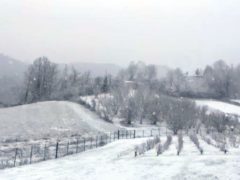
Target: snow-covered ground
{"x": 220, "y": 106}
{"x": 117, "y": 161}
{"x": 236, "y": 100}
{"x": 48, "y": 119}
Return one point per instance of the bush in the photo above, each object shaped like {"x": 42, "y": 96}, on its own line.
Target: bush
{"x": 149, "y": 144}
{"x": 217, "y": 142}
{"x": 180, "y": 143}
{"x": 167, "y": 143}
{"x": 156, "y": 139}
{"x": 159, "y": 149}
{"x": 194, "y": 139}
{"x": 223, "y": 147}
{"x": 233, "y": 140}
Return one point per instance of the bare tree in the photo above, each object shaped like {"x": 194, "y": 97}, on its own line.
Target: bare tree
{"x": 40, "y": 80}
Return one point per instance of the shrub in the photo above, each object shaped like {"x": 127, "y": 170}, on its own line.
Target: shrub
{"x": 149, "y": 144}
{"x": 167, "y": 143}
{"x": 159, "y": 149}
{"x": 194, "y": 139}
{"x": 156, "y": 139}
{"x": 180, "y": 143}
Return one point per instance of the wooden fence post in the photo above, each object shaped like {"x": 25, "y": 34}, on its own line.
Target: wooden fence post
{"x": 118, "y": 134}
{"x": 134, "y": 134}
{"x": 67, "y": 147}
{"x": 84, "y": 143}
{"x": 15, "y": 157}
{"x": 44, "y": 154}
{"x": 77, "y": 147}
{"x": 96, "y": 141}
{"x": 100, "y": 140}
{"x": 56, "y": 155}
{"x": 91, "y": 143}
{"x": 31, "y": 153}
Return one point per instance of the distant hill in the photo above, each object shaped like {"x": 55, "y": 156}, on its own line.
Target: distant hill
{"x": 11, "y": 79}
{"x": 11, "y": 67}
{"x": 96, "y": 69}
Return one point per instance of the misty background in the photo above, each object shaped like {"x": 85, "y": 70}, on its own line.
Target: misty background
{"x": 103, "y": 37}
{"x": 186, "y": 34}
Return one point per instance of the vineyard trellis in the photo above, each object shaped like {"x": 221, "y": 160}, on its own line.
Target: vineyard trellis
{"x": 46, "y": 150}
{"x": 42, "y": 151}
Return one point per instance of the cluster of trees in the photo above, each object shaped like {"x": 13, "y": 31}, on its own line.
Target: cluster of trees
{"x": 147, "y": 105}
{"x": 217, "y": 81}
{"x": 136, "y": 94}
{"x": 44, "y": 80}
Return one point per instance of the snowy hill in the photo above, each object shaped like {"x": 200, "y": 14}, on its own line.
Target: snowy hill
{"x": 220, "y": 106}
{"x": 117, "y": 161}
{"x": 50, "y": 119}
{"x": 11, "y": 78}
{"x": 11, "y": 67}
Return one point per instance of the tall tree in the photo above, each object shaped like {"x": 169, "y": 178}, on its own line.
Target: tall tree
{"x": 40, "y": 80}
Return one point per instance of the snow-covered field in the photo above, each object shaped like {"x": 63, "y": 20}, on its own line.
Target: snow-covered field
{"x": 220, "y": 106}
{"x": 236, "y": 101}
{"x": 117, "y": 161}
{"x": 50, "y": 119}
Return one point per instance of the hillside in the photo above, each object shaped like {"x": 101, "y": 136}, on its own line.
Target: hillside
{"x": 11, "y": 67}
{"x": 52, "y": 119}
{"x": 220, "y": 106}
{"x": 117, "y": 161}
{"x": 11, "y": 78}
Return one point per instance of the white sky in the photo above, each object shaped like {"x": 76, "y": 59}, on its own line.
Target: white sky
{"x": 185, "y": 33}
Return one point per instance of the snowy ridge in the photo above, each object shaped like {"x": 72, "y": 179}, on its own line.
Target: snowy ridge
{"x": 220, "y": 106}
{"x": 50, "y": 119}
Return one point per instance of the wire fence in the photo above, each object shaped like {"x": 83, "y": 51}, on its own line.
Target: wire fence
{"x": 42, "y": 151}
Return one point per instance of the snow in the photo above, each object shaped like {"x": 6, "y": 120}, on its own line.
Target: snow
{"x": 236, "y": 100}
{"x": 48, "y": 119}
{"x": 116, "y": 161}
{"x": 220, "y": 106}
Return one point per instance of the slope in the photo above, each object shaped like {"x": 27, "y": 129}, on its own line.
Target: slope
{"x": 220, "y": 106}
{"x": 117, "y": 161}
{"x": 50, "y": 119}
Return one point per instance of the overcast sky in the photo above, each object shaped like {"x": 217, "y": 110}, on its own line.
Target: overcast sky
{"x": 184, "y": 33}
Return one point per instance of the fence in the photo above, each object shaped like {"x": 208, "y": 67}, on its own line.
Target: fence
{"x": 33, "y": 153}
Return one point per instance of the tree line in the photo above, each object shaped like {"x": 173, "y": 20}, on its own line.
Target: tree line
{"x": 44, "y": 80}
{"x": 136, "y": 94}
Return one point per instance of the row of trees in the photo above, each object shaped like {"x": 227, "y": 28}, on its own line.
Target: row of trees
{"x": 44, "y": 80}
{"x": 217, "y": 81}
{"x": 136, "y": 94}
{"x": 149, "y": 106}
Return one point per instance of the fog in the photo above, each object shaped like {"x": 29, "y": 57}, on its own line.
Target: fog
{"x": 175, "y": 33}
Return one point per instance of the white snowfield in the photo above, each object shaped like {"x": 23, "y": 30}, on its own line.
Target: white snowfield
{"x": 49, "y": 119}
{"x": 116, "y": 161}
{"x": 220, "y": 106}
{"x": 236, "y": 100}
